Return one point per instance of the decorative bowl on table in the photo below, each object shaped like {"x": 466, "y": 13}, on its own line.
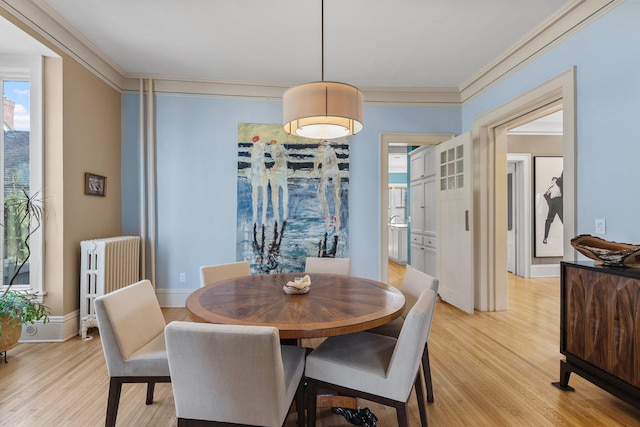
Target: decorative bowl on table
{"x": 604, "y": 252}
{"x": 299, "y": 286}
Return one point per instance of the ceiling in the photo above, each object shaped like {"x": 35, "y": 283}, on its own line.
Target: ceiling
{"x": 368, "y": 43}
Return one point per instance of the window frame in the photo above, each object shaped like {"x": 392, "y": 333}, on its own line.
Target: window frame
{"x": 30, "y": 68}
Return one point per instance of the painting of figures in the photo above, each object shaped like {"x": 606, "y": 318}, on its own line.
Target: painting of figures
{"x": 293, "y": 198}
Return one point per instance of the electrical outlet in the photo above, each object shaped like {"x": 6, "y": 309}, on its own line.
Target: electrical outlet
{"x": 183, "y": 277}
{"x": 600, "y": 226}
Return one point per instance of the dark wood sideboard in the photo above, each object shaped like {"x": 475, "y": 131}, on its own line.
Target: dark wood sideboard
{"x": 600, "y": 327}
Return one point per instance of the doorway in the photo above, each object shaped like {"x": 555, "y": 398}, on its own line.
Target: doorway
{"x": 489, "y": 132}
{"x": 386, "y": 139}
{"x": 537, "y": 136}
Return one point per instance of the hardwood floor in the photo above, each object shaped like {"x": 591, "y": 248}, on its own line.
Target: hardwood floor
{"x": 489, "y": 369}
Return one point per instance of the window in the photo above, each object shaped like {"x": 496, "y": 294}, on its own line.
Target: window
{"x": 452, "y": 168}
{"x": 21, "y": 168}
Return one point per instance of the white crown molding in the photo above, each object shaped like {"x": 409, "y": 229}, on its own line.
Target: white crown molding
{"x": 273, "y": 91}
{"x": 568, "y": 20}
{"x": 38, "y": 16}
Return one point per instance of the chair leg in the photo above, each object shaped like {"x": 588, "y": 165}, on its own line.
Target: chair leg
{"x": 300, "y": 402}
{"x": 312, "y": 391}
{"x": 401, "y": 413}
{"x": 426, "y": 367}
{"x": 151, "y": 385}
{"x": 420, "y": 399}
{"x": 115, "y": 387}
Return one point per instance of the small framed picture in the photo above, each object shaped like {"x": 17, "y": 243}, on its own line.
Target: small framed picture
{"x": 95, "y": 185}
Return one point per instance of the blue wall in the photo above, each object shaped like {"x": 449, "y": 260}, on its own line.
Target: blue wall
{"x": 197, "y": 167}
{"x": 197, "y": 153}
{"x": 606, "y": 55}
{"x": 398, "y": 178}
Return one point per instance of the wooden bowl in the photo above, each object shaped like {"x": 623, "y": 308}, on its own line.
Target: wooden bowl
{"x": 604, "y": 252}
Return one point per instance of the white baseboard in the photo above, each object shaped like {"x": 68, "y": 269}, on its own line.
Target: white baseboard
{"x": 62, "y": 328}
{"x": 173, "y": 297}
{"x": 58, "y": 329}
{"x": 545, "y": 270}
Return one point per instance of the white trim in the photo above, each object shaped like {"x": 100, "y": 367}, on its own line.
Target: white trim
{"x": 151, "y": 181}
{"x": 446, "y": 96}
{"x": 568, "y": 20}
{"x": 489, "y": 148}
{"x": 523, "y": 212}
{"x": 42, "y": 19}
{"x": 59, "y": 329}
{"x": 29, "y": 68}
{"x": 545, "y": 270}
{"x": 173, "y": 297}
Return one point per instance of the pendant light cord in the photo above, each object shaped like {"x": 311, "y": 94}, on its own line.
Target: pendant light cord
{"x": 322, "y": 35}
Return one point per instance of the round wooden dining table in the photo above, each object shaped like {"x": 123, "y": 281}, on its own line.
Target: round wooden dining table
{"x": 335, "y": 304}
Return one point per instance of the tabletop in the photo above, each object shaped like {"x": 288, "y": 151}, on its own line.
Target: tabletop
{"x": 334, "y": 305}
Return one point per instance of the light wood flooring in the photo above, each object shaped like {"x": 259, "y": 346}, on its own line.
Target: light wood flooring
{"x": 489, "y": 369}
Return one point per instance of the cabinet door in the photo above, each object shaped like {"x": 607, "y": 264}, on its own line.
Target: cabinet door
{"x": 417, "y": 257}
{"x": 393, "y": 243}
{"x": 430, "y": 162}
{"x": 429, "y": 201}
{"x": 417, "y": 165}
{"x": 430, "y": 266}
{"x": 417, "y": 207}
{"x": 402, "y": 245}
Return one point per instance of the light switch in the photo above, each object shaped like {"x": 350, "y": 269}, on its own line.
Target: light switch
{"x": 600, "y": 226}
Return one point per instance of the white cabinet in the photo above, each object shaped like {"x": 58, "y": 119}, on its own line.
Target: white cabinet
{"x": 423, "y": 162}
{"x": 423, "y": 211}
{"x": 398, "y": 244}
{"x": 423, "y": 254}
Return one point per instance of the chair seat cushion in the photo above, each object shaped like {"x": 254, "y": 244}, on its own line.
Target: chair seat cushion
{"x": 391, "y": 329}
{"x": 358, "y": 361}
{"x": 150, "y": 360}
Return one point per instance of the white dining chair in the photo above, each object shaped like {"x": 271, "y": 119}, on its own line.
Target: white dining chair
{"x": 328, "y": 265}
{"x": 413, "y": 284}
{"x": 131, "y": 328}
{"x": 216, "y": 273}
{"x": 374, "y": 367}
{"x": 233, "y": 374}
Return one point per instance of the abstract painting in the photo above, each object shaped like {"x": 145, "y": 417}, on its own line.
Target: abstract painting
{"x": 293, "y": 198}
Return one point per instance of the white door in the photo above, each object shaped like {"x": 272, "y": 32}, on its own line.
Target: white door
{"x": 455, "y": 250}
{"x": 511, "y": 218}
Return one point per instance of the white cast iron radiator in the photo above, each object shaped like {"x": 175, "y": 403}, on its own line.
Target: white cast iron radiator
{"x": 105, "y": 265}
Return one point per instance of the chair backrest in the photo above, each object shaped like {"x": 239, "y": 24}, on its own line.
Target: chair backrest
{"x": 407, "y": 354}
{"x": 227, "y": 373}
{"x": 128, "y": 319}
{"x": 328, "y": 265}
{"x": 413, "y": 284}
{"x": 216, "y": 273}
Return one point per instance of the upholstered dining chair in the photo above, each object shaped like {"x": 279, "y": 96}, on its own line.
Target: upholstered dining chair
{"x": 131, "y": 329}
{"x": 374, "y": 367}
{"x": 328, "y": 265}
{"x": 413, "y": 284}
{"x": 233, "y": 374}
{"x": 217, "y": 273}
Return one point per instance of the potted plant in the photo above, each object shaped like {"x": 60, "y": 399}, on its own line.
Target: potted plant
{"x": 23, "y": 216}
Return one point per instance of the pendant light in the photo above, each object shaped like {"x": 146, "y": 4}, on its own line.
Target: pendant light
{"x": 323, "y": 110}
